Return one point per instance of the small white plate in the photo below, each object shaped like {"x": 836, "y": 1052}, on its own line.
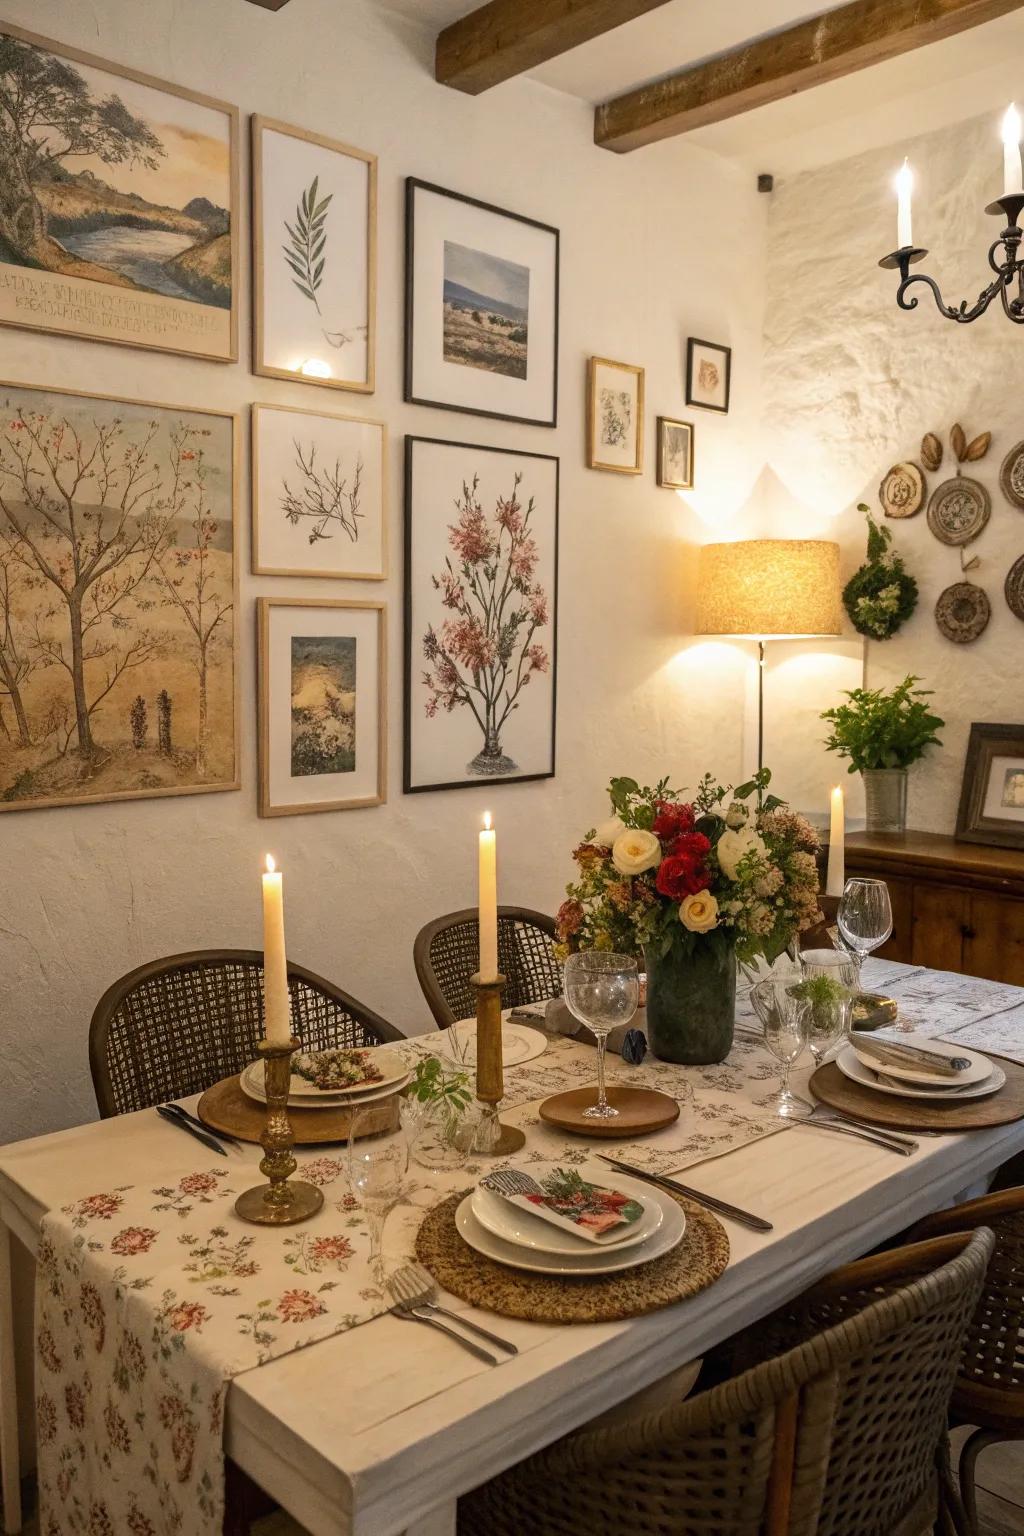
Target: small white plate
{"x": 252, "y": 1084}
{"x": 849, "y": 1063}
{"x": 979, "y": 1069}
{"x": 517, "y": 1044}
{"x": 389, "y": 1063}
{"x": 514, "y": 1225}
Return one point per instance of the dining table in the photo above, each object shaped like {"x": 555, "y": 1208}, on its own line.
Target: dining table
{"x": 377, "y": 1430}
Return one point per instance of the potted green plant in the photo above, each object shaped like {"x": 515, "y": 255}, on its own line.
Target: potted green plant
{"x": 882, "y": 734}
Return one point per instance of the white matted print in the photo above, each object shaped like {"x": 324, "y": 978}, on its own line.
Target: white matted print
{"x": 319, "y": 497}
{"x": 481, "y": 310}
{"x": 675, "y": 454}
{"x": 708, "y": 374}
{"x": 322, "y": 705}
{"x": 615, "y": 416}
{"x": 315, "y": 237}
{"x": 481, "y": 573}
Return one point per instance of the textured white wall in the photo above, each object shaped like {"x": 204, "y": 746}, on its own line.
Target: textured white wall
{"x": 649, "y": 255}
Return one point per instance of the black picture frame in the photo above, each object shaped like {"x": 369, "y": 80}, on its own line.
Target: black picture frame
{"x": 413, "y": 185}
{"x": 412, "y": 667}
{"x": 986, "y": 743}
{"x": 714, "y": 346}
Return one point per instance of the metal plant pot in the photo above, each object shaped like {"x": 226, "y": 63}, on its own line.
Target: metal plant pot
{"x": 885, "y": 798}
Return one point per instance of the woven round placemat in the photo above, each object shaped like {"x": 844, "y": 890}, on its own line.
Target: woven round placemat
{"x": 692, "y": 1266}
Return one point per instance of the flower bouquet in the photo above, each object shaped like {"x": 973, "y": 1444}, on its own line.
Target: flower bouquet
{"x": 692, "y": 886}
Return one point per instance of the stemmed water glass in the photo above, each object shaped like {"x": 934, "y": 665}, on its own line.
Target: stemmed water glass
{"x": 602, "y": 990}
{"x": 784, "y": 1017}
{"x": 828, "y": 1021}
{"x": 865, "y": 918}
{"x": 377, "y": 1166}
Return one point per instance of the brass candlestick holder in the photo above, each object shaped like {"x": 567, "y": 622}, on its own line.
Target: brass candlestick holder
{"x": 278, "y": 1203}
{"x": 493, "y": 1138}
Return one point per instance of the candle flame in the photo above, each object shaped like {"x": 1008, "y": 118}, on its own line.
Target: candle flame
{"x": 905, "y": 178}
{"x": 487, "y": 821}
{"x": 1011, "y": 126}
{"x": 271, "y": 866}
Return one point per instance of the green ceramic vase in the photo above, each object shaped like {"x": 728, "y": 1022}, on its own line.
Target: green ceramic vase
{"x": 691, "y": 1003}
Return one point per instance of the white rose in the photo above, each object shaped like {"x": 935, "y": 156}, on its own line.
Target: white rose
{"x": 608, "y": 831}
{"x": 699, "y": 912}
{"x": 734, "y": 846}
{"x": 635, "y": 851}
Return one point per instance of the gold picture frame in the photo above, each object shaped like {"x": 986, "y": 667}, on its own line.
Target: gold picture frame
{"x": 669, "y": 476}
{"x": 615, "y": 416}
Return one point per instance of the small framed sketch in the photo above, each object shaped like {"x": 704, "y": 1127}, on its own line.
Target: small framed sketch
{"x": 322, "y": 705}
{"x": 708, "y": 374}
{"x": 615, "y": 416}
{"x": 675, "y": 454}
{"x": 992, "y": 795}
{"x": 481, "y": 594}
{"x": 319, "y": 494}
{"x": 481, "y": 308}
{"x": 314, "y": 219}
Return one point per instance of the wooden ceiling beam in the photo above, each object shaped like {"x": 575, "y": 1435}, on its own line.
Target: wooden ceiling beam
{"x": 838, "y": 43}
{"x": 506, "y": 37}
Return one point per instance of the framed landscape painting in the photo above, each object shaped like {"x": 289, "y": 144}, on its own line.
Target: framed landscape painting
{"x": 314, "y": 217}
{"x": 481, "y": 308}
{"x": 481, "y": 597}
{"x": 992, "y": 794}
{"x": 120, "y": 216}
{"x": 322, "y": 705}
{"x": 319, "y": 494}
{"x": 708, "y": 375}
{"x": 615, "y": 416}
{"x": 118, "y": 599}
{"x": 675, "y": 454}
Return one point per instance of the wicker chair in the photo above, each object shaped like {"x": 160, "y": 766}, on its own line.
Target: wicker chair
{"x": 989, "y": 1389}
{"x": 175, "y": 1026}
{"x": 446, "y": 953}
{"x": 843, "y": 1434}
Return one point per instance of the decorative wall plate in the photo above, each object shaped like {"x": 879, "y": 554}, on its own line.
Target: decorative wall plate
{"x": 1014, "y": 588}
{"x": 903, "y": 490}
{"x": 1011, "y": 476}
{"x": 959, "y": 510}
{"x": 962, "y": 612}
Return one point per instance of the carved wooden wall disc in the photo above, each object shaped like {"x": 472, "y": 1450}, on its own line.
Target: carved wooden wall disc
{"x": 902, "y": 492}
{"x": 1014, "y": 588}
{"x": 962, "y": 612}
{"x": 1011, "y": 476}
{"x": 959, "y": 510}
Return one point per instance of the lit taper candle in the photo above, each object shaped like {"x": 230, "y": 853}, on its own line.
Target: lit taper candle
{"x": 488, "y": 901}
{"x": 277, "y": 1025}
{"x": 836, "y": 875}
{"x": 1013, "y": 172}
{"x": 904, "y": 193}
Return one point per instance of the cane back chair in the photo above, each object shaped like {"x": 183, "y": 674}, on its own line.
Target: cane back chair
{"x": 175, "y": 1026}
{"x": 446, "y": 953}
{"x": 842, "y": 1434}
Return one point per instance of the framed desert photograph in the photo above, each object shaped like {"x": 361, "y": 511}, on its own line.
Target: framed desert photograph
{"x": 118, "y": 599}
{"x": 615, "y": 416}
{"x": 124, "y": 224}
{"x": 708, "y": 374}
{"x": 481, "y": 597}
{"x": 675, "y": 454}
{"x": 319, "y": 494}
{"x": 322, "y": 705}
{"x": 481, "y": 308}
{"x": 314, "y": 220}
{"x": 992, "y": 794}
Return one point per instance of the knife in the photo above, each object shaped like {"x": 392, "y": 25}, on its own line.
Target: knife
{"x": 183, "y": 1125}
{"x": 745, "y": 1219}
{"x": 183, "y": 1114}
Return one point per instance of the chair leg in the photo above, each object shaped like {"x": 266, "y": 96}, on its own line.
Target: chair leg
{"x": 971, "y": 1450}
{"x": 244, "y": 1501}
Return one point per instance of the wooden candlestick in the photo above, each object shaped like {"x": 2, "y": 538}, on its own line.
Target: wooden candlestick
{"x": 278, "y": 1203}
{"x": 493, "y": 1139}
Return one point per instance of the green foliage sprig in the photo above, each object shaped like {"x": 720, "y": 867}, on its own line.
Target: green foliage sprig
{"x": 883, "y": 730}
{"x": 880, "y": 596}
{"x": 306, "y": 255}
{"x": 434, "y": 1083}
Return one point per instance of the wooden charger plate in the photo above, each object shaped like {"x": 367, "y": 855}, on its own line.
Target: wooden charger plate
{"x": 641, "y": 1111}
{"x": 830, "y": 1087}
{"x": 226, "y": 1107}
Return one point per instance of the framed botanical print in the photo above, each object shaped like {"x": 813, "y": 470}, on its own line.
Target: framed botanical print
{"x": 314, "y": 218}
{"x": 675, "y": 454}
{"x": 615, "y": 416}
{"x": 319, "y": 494}
{"x": 708, "y": 374}
{"x": 322, "y": 705}
{"x": 124, "y": 226}
{"x": 481, "y": 308}
{"x": 118, "y": 599}
{"x": 992, "y": 795}
{"x": 481, "y": 595}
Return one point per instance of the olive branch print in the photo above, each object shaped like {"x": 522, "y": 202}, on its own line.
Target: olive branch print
{"x": 306, "y": 255}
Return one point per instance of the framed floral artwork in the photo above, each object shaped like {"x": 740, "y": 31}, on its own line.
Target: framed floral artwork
{"x": 481, "y": 597}
{"x": 675, "y": 454}
{"x": 708, "y": 374}
{"x": 481, "y": 308}
{"x": 615, "y": 416}
{"x": 319, "y": 494}
{"x": 121, "y": 222}
{"x": 322, "y": 705}
{"x": 314, "y": 219}
{"x": 992, "y": 794}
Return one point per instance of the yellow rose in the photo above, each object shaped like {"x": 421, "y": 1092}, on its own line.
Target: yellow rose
{"x": 699, "y": 912}
{"x": 635, "y": 851}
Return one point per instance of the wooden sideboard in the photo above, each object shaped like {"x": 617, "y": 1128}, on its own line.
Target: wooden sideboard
{"x": 956, "y": 906}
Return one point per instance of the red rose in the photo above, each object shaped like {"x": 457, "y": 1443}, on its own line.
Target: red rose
{"x": 672, "y": 822}
{"x": 684, "y": 872}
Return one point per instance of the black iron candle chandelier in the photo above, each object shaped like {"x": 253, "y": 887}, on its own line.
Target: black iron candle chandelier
{"x": 1003, "y": 258}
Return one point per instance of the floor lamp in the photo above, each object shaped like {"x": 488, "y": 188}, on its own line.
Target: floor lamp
{"x": 768, "y": 589}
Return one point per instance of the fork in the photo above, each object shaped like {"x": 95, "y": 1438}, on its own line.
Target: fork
{"x": 413, "y": 1286}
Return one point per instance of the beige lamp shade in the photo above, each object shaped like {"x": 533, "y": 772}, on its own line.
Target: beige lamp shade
{"x": 769, "y": 588}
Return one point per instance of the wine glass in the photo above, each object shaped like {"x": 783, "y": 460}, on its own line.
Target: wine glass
{"x": 601, "y": 990}
{"x": 377, "y": 1166}
{"x": 784, "y": 1017}
{"x": 829, "y": 1016}
{"x": 865, "y": 918}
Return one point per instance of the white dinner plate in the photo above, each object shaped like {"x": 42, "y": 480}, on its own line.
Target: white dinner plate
{"x": 851, "y": 1066}
{"x": 251, "y": 1081}
{"x": 517, "y": 1044}
{"x": 514, "y": 1225}
{"x": 979, "y": 1069}
{"x": 389, "y": 1063}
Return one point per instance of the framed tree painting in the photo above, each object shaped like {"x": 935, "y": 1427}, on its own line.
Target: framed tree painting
{"x": 675, "y": 454}
{"x": 481, "y": 308}
{"x": 708, "y": 374}
{"x": 120, "y": 215}
{"x": 481, "y": 572}
{"x": 118, "y": 599}
{"x": 314, "y": 219}
{"x": 322, "y": 705}
{"x": 615, "y": 416}
{"x": 319, "y": 494}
